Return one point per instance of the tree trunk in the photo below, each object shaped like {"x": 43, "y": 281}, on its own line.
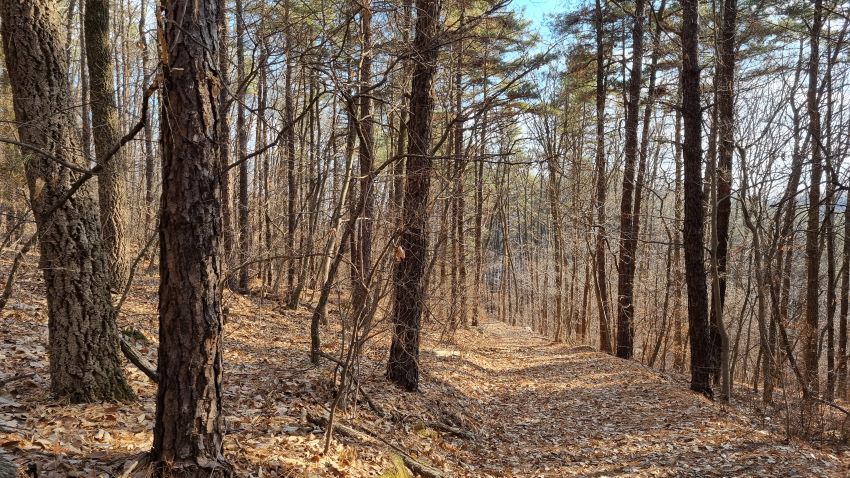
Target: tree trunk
{"x": 626, "y": 261}
{"x": 724, "y": 83}
{"x": 106, "y": 133}
{"x": 599, "y": 203}
{"x": 149, "y": 145}
{"x": 845, "y": 307}
{"x": 83, "y": 335}
{"x": 810, "y": 326}
{"x": 243, "y": 215}
{"x": 678, "y": 336}
{"x": 361, "y": 250}
{"x": 189, "y": 427}
{"x": 403, "y": 365}
{"x": 291, "y": 183}
{"x": 693, "y": 233}
{"x": 224, "y": 102}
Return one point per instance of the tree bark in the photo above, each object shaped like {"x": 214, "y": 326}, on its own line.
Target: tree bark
{"x": 224, "y": 102}
{"x": 403, "y": 364}
{"x": 602, "y": 299}
{"x": 693, "y": 232}
{"x": 844, "y": 307}
{"x": 243, "y": 216}
{"x": 361, "y": 250}
{"x": 725, "y": 82}
{"x": 106, "y": 133}
{"x": 810, "y": 326}
{"x": 83, "y": 335}
{"x": 626, "y": 261}
{"x": 189, "y": 427}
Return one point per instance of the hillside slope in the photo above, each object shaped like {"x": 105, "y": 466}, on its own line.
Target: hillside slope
{"x": 501, "y": 403}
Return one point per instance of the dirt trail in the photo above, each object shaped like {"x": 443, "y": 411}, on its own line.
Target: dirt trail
{"x": 535, "y": 409}
{"x": 548, "y": 410}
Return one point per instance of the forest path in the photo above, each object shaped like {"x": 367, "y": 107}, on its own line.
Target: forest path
{"x": 556, "y": 410}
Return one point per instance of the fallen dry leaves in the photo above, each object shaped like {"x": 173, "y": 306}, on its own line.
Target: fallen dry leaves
{"x": 535, "y": 409}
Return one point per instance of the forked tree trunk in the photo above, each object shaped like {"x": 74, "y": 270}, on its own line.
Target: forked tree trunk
{"x": 403, "y": 364}
{"x": 189, "y": 428}
{"x": 83, "y": 335}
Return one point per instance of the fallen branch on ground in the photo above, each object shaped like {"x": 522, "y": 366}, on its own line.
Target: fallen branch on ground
{"x": 7, "y": 381}
{"x": 416, "y": 466}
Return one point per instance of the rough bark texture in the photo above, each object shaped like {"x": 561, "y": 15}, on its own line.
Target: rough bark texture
{"x": 83, "y": 349}
{"x": 403, "y": 365}
{"x": 626, "y": 263}
{"x": 189, "y": 425}
{"x": 106, "y": 132}
{"x": 693, "y": 233}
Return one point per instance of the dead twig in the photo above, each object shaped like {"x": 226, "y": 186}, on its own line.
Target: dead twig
{"x": 415, "y": 465}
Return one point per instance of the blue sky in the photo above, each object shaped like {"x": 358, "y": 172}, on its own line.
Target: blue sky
{"x": 537, "y": 10}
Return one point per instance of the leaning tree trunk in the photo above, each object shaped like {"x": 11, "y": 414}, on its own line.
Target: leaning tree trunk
{"x": 693, "y": 231}
{"x": 189, "y": 428}
{"x": 403, "y": 365}
{"x": 83, "y": 335}
{"x": 106, "y": 133}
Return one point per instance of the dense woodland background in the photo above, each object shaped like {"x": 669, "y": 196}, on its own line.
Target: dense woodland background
{"x": 663, "y": 182}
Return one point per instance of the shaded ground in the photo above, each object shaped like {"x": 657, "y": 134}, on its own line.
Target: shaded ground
{"x": 535, "y": 409}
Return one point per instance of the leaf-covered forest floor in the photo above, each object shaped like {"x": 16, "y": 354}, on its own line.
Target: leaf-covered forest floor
{"x": 497, "y": 401}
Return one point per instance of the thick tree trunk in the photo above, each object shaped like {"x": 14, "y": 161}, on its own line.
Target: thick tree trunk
{"x": 106, "y": 133}
{"x": 83, "y": 335}
{"x": 189, "y": 428}
{"x": 693, "y": 233}
{"x": 626, "y": 261}
{"x": 403, "y": 365}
